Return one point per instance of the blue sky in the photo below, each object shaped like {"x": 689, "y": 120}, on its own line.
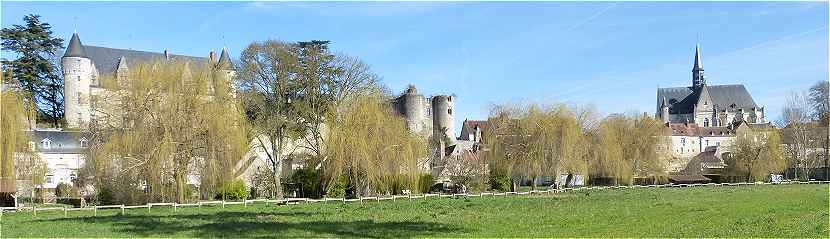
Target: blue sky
{"x": 611, "y": 55}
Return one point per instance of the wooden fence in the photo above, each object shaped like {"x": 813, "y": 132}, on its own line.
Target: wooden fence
{"x": 294, "y": 201}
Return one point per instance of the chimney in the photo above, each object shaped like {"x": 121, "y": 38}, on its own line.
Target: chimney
{"x": 212, "y": 57}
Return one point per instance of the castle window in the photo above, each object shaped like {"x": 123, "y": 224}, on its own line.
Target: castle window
{"x": 449, "y": 111}
{"x": 46, "y": 143}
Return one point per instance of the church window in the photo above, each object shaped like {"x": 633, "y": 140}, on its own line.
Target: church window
{"x": 683, "y": 141}
{"x": 707, "y": 142}
{"x": 705, "y": 122}
{"x": 79, "y": 78}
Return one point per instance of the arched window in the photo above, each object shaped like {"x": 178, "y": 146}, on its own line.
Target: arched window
{"x": 705, "y": 122}
{"x": 83, "y": 142}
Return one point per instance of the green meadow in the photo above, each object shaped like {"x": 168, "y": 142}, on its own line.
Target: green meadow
{"x": 730, "y": 211}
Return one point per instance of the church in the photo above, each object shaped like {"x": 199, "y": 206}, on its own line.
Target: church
{"x": 704, "y": 118}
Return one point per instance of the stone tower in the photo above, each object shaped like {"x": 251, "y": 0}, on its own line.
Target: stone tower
{"x": 413, "y": 109}
{"x": 78, "y": 75}
{"x": 226, "y": 67}
{"x": 443, "y": 117}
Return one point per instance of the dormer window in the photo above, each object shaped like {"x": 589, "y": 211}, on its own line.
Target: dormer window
{"x": 46, "y": 143}
{"x": 83, "y": 142}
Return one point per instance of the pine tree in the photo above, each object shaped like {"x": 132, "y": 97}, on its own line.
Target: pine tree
{"x": 34, "y": 70}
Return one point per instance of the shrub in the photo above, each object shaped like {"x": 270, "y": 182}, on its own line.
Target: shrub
{"x": 235, "y": 190}
{"x": 309, "y": 179}
{"x": 425, "y": 181}
{"x": 104, "y": 196}
{"x": 63, "y": 190}
{"x": 338, "y": 188}
{"x": 499, "y": 182}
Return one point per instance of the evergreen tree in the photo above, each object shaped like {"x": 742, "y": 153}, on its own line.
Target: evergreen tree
{"x": 34, "y": 70}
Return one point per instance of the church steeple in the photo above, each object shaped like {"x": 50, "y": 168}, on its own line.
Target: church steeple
{"x": 698, "y": 79}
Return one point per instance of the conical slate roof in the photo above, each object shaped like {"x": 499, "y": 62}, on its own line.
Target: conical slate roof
{"x": 698, "y": 64}
{"x": 75, "y": 48}
{"x": 225, "y": 60}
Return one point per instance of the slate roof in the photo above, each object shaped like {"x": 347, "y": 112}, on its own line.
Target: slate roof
{"x": 468, "y": 128}
{"x": 61, "y": 141}
{"x": 75, "y": 48}
{"x": 225, "y": 60}
{"x": 682, "y": 99}
{"x": 106, "y": 59}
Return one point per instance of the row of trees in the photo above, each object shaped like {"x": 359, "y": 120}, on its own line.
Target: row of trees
{"x": 804, "y": 122}
{"x": 530, "y": 141}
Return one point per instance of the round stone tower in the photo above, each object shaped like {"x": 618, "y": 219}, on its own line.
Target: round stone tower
{"x": 77, "y": 74}
{"x": 443, "y": 116}
{"x": 413, "y": 109}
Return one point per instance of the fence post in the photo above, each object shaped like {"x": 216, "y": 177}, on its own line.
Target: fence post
{"x": 122, "y": 210}
{"x": 245, "y": 203}
{"x": 95, "y": 211}
{"x": 148, "y": 207}
{"x": 223, "y": 203}
{"x": 175, "y": 206}
{"x": 64, "y": 211}
{"x": 34, "y": 210}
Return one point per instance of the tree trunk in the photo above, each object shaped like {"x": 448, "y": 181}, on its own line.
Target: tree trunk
{"x": 568, "y": 180}
{"x": 179, "y": 187}
{"x": 533, "y": 183}
{"x": 275, "y": 161}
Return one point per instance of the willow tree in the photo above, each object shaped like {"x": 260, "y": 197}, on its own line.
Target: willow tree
{"x": 173, "y": 120}
{"x": 533, "y": 141}
{"x": 629, "y": 147}
{"x": 372, "y": 148}
{"x": 755, "y": 154}
{"x": 290, "y": 90}
{"x": 13, "y": 138}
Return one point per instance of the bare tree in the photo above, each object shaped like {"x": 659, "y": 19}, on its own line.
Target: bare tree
{"x": 798, "y": 133}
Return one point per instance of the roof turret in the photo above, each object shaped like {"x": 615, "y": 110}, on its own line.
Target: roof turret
{"x": 75, "y": 48}
{"x": 225, "y": 60}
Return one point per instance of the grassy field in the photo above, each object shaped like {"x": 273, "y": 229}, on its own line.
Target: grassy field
{"x": 746, "y": 211}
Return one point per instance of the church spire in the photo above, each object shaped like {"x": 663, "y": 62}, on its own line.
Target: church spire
{"x": 697, "y": 71}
